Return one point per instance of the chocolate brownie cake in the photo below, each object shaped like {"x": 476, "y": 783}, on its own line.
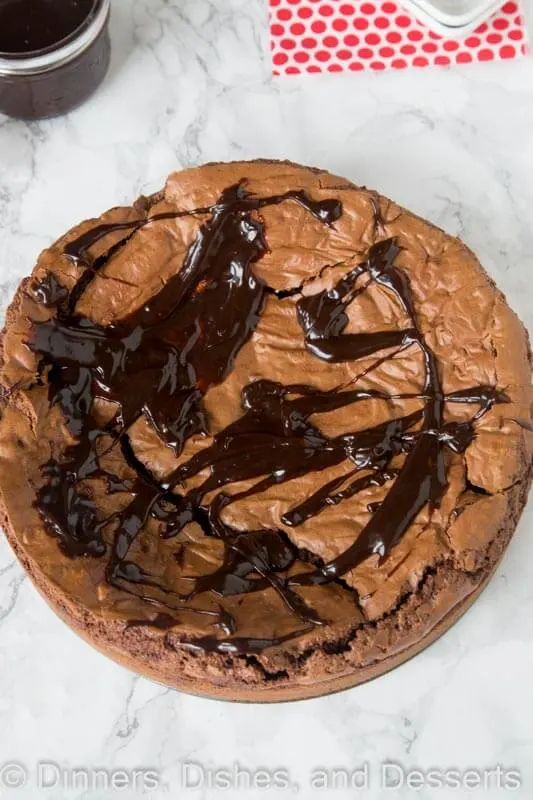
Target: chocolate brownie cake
{"x": 263, "y": 435}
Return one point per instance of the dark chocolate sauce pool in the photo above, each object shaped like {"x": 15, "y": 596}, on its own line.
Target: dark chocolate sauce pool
{"x": 159, "y": 362}
{"x": 28, "y": 25}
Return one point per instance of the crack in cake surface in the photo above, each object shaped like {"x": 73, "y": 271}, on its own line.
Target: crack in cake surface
{"x": 275, "y": 416}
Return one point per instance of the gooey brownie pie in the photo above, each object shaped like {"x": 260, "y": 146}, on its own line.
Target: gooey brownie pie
{"x": 265, "y": 434}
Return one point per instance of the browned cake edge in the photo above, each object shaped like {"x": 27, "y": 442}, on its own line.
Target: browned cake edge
{"x": 361, "y": 654}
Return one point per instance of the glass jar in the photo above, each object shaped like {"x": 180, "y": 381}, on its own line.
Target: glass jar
{"x": 45, "y": 68}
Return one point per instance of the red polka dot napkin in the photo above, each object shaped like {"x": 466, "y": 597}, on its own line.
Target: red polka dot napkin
{"x": 331, "y": 36}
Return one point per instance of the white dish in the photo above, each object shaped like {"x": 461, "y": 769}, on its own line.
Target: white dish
{"x": 452, "y": 18}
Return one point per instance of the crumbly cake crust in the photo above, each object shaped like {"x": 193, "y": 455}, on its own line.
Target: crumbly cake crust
{"x": 379, "y": 613}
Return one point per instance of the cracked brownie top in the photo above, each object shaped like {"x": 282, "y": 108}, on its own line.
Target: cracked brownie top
{"x": 255, "y": 416}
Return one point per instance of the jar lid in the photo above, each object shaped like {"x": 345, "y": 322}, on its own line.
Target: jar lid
{"x": 53, "y": 57}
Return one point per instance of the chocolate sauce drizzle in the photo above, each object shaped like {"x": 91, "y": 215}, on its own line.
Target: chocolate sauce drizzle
{"x": 160, "y": 360}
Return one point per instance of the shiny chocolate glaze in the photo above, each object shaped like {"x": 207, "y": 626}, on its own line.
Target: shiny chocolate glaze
{"x": 160, "y": 361}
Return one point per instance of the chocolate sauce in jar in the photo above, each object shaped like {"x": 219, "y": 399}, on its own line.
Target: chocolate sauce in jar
{"x": 53, "y": 54}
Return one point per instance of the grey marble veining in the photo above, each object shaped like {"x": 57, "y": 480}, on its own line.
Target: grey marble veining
{"x": 190, "y": 83}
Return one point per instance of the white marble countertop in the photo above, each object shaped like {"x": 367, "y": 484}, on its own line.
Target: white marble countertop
{"x": 190, "y": 82}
